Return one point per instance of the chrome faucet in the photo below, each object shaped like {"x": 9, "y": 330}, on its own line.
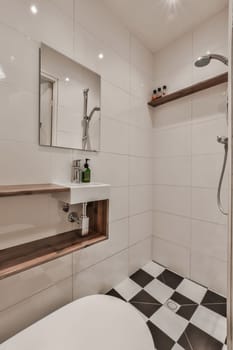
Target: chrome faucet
{"x": 76, "y": 171}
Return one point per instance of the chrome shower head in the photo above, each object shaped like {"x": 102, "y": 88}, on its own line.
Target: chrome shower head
{"x": 205, "y": 60}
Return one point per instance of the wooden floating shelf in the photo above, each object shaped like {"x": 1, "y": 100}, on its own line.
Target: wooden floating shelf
{"x": 25, "y": 256}
{"x": 19, "y": 190}
{"x": 206, "y": 84}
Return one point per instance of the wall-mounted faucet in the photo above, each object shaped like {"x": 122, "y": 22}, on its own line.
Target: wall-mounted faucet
{"x": 82, "y": 221}
{"x": 76, "y": 171}
{"x": 86, "y": 120}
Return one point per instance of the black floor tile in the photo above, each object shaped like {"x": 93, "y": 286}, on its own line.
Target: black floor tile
{"x": 211, "y": 298}
{"x": 182, "y": 300}
{"x": 146, "y": 308}
{"x": 187, "y": 311}
{"x": 171, "y": 279}
{"x": 220, "y": 309}
{"x": 183, "y": 341}
{"x": 195, "y": 339}
{"x": 114, "y": 293}
{"x": 161, "y": 340}
{"x": 142, "y": 278}
{"x": 144, "y": 297}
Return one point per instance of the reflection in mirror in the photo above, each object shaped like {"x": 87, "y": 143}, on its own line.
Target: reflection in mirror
{"x": 69, "y": 103}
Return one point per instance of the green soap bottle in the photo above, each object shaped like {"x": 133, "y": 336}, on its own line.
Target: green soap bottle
{"x": 86, "y": 174}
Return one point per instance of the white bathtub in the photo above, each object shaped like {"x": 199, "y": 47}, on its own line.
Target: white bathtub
{"x": 96, "y": 322}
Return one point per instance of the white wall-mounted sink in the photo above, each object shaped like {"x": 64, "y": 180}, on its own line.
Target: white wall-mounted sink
{"x": 84, "y": 192}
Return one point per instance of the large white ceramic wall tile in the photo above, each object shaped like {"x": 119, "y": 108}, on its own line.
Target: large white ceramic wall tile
{"x": 204, "y": 136}
{"x": 140, "y": 171}
{"x": 97, "y": 19}
{"x": 209, "y": 271}
{"x": 204, "y": 205}
{"x": 175, "y": 113}
{"x": 140, "y": 227}
{"x": 115, "y": 102}
{"x": 101, "y": 277}
{"x": 141, "y": 57}
{"x": 114, "y": 136}
{"x": 171, "y": 255}
{"x": 209, "y": 239}
{"x": 34, "y": 281}
{"x": 118, "y": 241}
{"x": 172, "y": 199}
{"x": 172, "y": 142}
{"x": 140, "y": 115}
{"x": 140, "y": 142}
{"x": 140, "y": 199}
{"x": 139, "y": 255}
{"x": 111, "y": 169}
{"x": 172, "y": 228}
{"x": 23, "y": 314}
{"x": 209, "y": 104}
{"x": 206, "y": 170}
{"x": 119, "y": 203}
{"x": 176, "y": 73}
{"x": 174, "y": 171}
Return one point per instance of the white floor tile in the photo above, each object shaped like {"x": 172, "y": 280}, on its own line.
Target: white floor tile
{"x": 177, "y": 347}
{"x": 210, "y": 322}
{"x": 159, "y": 290}
{"x": 170, "y": 323}
{"x": 191, "y": 290}
{"x": 153, "y": 269}
{"x": 127, "y": 288}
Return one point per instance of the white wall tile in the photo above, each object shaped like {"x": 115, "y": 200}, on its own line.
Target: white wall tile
{"x": 174, "y": 171}
{"x": 140, "y": 142}
{"x": 172, "y": 142}
{"x": 140, "y": 199}
{"x": 140, "y": 171}
{"x": 101, "y": 277}
{"x": 139, "y": 255}
{"x": 204, "y": 205}
{"x": 172, "y": 199}
{"x": 140, "y": 227}
{"x": 114, "y": 136}
{"x": 20, "y": 287}
{"x": 209, "y": 271}
{"x": 97, "y": 19}
{"x": 206, "y": 170}
{"x": 171, "y": 255}
{"x": 118, "y": 241}
{"x": 172, "y": 228}
{"x": 23, "y": 314}
{"x": 119, "y": 203}
{"x": 209, "y": 239}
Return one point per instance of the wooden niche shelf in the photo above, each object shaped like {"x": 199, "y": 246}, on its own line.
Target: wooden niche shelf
{"x": 206, "y": 84}
{"x": 20, "y": 190}
{"x": 25, "y": 256}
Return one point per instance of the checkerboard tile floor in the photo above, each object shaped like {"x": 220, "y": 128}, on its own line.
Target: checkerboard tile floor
{"x": 181, "y": 314}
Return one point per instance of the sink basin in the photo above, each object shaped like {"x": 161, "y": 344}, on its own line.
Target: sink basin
{"x": 84, "y": 192}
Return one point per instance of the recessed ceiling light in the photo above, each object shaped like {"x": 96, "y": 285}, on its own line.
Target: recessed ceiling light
{"x": 12, "y": 58}
{"x": 101, "y": 55}
{"x": 34, "y": 9}
{"x": 67, "y": 79}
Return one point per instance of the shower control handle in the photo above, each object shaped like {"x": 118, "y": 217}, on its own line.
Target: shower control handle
{"x": 222, "y": 139}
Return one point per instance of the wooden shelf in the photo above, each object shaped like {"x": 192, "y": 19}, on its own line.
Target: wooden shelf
{"x": 19, "y": 190}
{"x": 206, "y": 84}
{"x": 25, "y": 256}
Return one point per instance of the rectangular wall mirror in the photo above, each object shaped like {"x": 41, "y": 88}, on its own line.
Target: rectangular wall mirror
{"x": 69, "y": 103}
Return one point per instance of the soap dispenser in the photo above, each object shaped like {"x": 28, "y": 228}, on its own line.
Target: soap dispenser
{"x": 86, "y": 174}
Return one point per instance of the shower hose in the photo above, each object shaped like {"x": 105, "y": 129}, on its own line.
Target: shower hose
{"x": 225, "y": 142}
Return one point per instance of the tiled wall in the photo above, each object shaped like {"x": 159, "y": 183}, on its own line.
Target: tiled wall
{"x": 125, "y": 160}
{"x": 189, "y": 232}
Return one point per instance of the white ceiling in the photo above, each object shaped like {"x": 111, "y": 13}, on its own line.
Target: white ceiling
{"x": 158, "y": 22}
